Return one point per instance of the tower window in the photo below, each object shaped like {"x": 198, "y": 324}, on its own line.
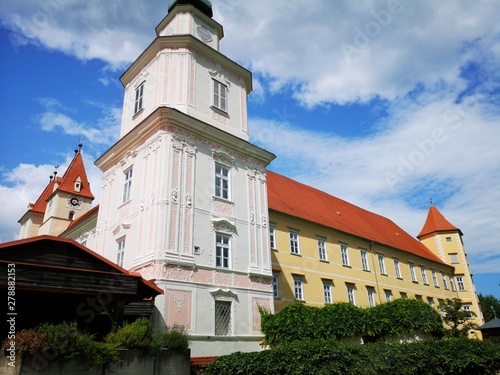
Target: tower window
{"x": 120, "y": 251}
{"x": 454, "y": 258}
{"x": 127, "y": 185}
{"x": 448, "y": 239}
{"x": 71, "y": 215}
{"x": 139, "y": 92}
{"x": 221, "y": 181}
{"x": 220, "y": 95}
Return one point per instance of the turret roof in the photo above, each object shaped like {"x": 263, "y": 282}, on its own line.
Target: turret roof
{"x": 205, "y": 6}
{"x": 76, "y": 169}
{"x": 293, "y": 198}
{"x": 436, "y": 222}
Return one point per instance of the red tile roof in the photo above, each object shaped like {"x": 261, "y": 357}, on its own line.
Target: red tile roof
{"x": 41, "y": 202}
{"x": 201, "y": 361}
{"x": 293, "y": 198}
{"x": 436, "y": 222}
{"x": 82, "y": 218}
{"x": 76, "y": 169}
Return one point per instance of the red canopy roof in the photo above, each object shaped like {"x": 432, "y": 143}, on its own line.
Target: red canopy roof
{"x": 436, "y": 222}
{"x": 293, "y": 198}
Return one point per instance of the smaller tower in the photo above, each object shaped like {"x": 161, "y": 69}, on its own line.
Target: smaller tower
{"x": 64, "y": 199}
{"x": 445, "y": 240}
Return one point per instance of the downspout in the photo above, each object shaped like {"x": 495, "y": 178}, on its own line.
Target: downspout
{"x": 375, "y": 272}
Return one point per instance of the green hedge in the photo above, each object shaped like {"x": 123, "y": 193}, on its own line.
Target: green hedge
{"x": 451, "y": 356}
{"x": 341, "y": 320}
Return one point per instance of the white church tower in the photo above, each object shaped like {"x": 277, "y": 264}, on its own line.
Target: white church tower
{"x": 184, "y": 196}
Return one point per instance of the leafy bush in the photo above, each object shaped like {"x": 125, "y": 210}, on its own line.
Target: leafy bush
{"x": 451, "y": 356}
{"x": 135, "y": 335}
{"x": 174, "y": 337}
{"x": 341, "y": 320}
{"x": 68, "y": 342}
{"x": 27, "y": 340}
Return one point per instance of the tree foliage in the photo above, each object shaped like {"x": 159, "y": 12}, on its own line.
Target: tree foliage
{"x": 490, "y": 305}
{"x": 456, "y": 319}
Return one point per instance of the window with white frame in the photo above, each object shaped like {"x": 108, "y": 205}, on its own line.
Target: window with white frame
{"x": 127, "y": 185}
{"x": 223, "y": 318}
{"x": 452, "y": 283}
{"x": 468, "y": 308}
{"x": 364, "y": 260}
{"x": 276, "y": 285}
{"x": 120, "y": 251}
{"x": 412, "y": 272}
{"x": 435, "y": 279}
{"x": 371, "y": 296}
{"x": 350, "y": 294}
{"x": 460, "y": 283}
{"x": 322, "y": 248}
{"x": 327, "y": 291}
{"x": 424, "y": 275}
{"x": 445, "y": 283}
{"x": 388, "y": 295}
{"x": 381, "y": 264}
{"x": 272, "y": 236}
{"x": 344, "y": 255}
{"x": 298, "y": 288}
{"x": 448, "y": 239}
{"x": 220, "y": 95}
{"x": 221, "y": 181}
{"x": 397, "y": 269}
{"x": 222, "y": 250}
{"x": 294, "y": 242}
{"x": 139, "y": 94}
{"x": 454, "y": 258}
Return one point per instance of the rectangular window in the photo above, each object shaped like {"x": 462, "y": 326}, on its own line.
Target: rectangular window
{"x": 397, "y": 268}
{"x": 448, "y": 239}
{"x": 452, "y": 284}
{"x": 371, "y": 296}
{"x": 139, "y": 93}
{"x": 222, "y": 318}
{"x": 388, "y": 295}
{"x": 350, "y": 294}
{"x": 120, "y": 251}
{"x": 430, "y": 301}
{"x": 127, "y": 185}
{"x": 220, "y": 96}
{"x": 460, "y": 283}
{"x": 412, "y": 272}
{"x": 453, "y": 258}
{"x": 298, "y": 286}
{"x": 327, "y": 291}
{"x": 445, "y": 284}
{"x": 468, "y": 308}
{"x": 294, "y": 242}
{"x": 222, "y": 249}
{"x": 276, "y": 286}
{"x": 221, "y": 181}
{"x": 435, "y": 279}
{"x": 344, "y": 254}
{"x": 364, "y": 260}
{"x": 403, "y": 295}
{"x": 272, "y": 236}
{"x": 424, "y": 276}
{"x": 381, "y": 264}
{"x": 418, "y": 297}
{"x": 322, "y": 248}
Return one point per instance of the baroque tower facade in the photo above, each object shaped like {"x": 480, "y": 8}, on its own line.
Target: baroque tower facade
{"x": 184, "y": 195}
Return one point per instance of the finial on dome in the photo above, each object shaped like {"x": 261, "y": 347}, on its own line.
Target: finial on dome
{"x": 205, "y": 6}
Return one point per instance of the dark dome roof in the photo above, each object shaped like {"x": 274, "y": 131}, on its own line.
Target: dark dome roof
{"x": 205, "y": 6}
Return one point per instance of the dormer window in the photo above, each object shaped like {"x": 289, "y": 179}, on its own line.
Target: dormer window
{"x": 78, "y": 184}
{"x": 220, "y": 95}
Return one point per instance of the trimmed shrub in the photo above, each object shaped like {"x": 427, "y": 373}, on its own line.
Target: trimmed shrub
{"x": 448, "y": 356}
{"x": 174, "y": 337}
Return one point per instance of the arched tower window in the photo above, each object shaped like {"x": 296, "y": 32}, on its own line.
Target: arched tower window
{"x": 71, "y": 215}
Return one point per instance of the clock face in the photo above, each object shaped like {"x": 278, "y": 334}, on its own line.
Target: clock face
{"x": 73, "y": 201}
{"x": 204, "y": 34}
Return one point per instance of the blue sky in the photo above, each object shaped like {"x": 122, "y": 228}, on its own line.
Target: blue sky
{"x": 386, "y": 104}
